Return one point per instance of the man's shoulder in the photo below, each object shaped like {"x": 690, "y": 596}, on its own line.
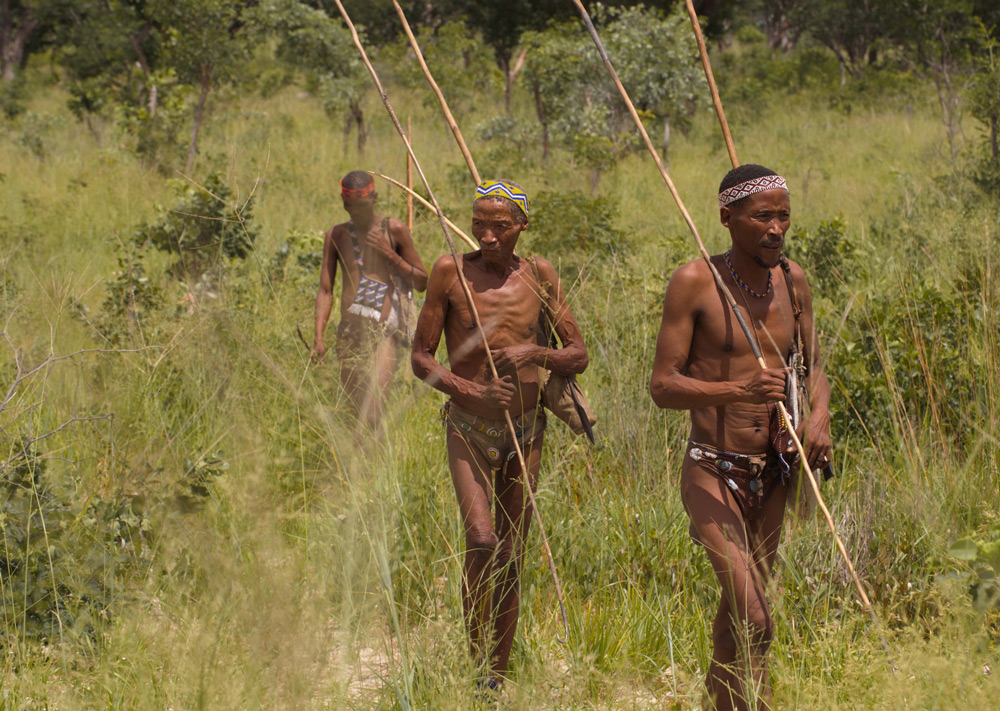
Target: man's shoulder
{"x": 693, "y": 275}
{"x": 339, "y": 230}
{"x": 444, "y": 266}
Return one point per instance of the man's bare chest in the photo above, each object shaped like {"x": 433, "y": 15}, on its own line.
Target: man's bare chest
{"x": 771, "y": 322}
{"x": 509, "y": 312}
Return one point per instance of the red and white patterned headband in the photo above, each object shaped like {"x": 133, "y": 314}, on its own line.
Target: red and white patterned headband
{"x": 749, "y": 187}
{"x": 359, "y": 192}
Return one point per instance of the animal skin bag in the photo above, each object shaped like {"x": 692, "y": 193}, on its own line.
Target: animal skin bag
{"x": 561, "y": 394}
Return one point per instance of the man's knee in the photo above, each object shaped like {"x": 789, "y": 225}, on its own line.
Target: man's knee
{"x": 481, "y": 541}
{"x": 760, "y": 629}
{"x": 505, "y": 553}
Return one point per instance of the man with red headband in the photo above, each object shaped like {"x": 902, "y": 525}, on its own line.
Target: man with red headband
{"x": 737, "y": 463}
{"x": 381, "y": 269}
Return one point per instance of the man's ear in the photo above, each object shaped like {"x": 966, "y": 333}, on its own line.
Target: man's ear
{"x": 724, "y": 215}
{"x": 524, "y": 225}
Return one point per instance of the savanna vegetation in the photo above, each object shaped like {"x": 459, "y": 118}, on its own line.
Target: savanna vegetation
{"x": 191, "y": 521}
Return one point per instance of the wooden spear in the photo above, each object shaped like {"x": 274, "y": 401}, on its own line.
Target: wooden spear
{"x": 409, "y": 178}
{"x": 413, "y": 194}
{"x": 475, "y": 316}
{"x": 737, "y": 311}
{"x": 716, "y": 101}
{"x": 440, "y": 97}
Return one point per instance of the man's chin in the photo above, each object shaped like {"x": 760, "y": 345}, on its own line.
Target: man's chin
{"x": 769, "y": 260}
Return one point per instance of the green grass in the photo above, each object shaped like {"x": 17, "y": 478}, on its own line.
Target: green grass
{"x": 320, "y": 570}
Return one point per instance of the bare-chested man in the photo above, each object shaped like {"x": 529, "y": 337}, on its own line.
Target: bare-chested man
{"x": 733, "y": 481}
{"x": 508, "y": 292}
{"x": 381, "y": 266}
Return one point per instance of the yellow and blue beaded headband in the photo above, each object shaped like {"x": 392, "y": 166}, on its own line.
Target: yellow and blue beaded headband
{"x": 496, "y": 188}
{"x": 749, "y": 187}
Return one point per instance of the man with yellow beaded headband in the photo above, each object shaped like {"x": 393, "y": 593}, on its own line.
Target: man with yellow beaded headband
{"x": 509, "y": 293}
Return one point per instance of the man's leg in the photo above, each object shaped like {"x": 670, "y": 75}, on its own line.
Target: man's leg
{"x": 764, "y": 532}
{"x": 743, "y": 627}
{"x": 384, "y": 359}
{"x": 471, "y": 476}
{"x": 513, "y": 517}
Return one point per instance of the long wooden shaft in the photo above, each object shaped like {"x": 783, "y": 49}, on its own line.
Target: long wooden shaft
{"x": 452, "y": 124}
{"x": 716, "y": 101}
{"x": 526, "y": 479}
{"x": 414, "y": 195}
{"x": 729, "y": 298}
{"x": 409, "y": 178}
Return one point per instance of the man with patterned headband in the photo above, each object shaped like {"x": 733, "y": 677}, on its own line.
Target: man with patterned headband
{"x": 738, "y": 462}
{"x": 381, "y": 268}
{"x": 510, "y": 293}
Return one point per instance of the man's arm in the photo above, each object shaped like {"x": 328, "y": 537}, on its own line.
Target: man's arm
{"x": 569, "y": 359}
{"x": 818, "y": 443}
{"x": 324, "y": 296}
{"x": 430, "y": 325}
{"x": 669, "y": 386}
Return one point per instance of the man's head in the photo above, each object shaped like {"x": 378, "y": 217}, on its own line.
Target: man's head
{"x": 508, "y": 193}
{"x": 358, "y": 192}
{"x": 754, "y": 206}
{"x": 499, "y": 216}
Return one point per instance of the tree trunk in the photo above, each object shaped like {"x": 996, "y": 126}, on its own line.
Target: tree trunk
{"x": 508, "y": 83}
{"x": 140, "y": 55}
{"x": 993, "y": 137}
{"x": 199, "y": 111}
{"x": 666, "y": 141}
{"x": 358, "y": 115}
{"x": 543, "y": 120}
{"x": 13, "y": 40}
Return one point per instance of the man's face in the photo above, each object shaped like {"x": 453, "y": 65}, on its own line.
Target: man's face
{"x": 496, "y": 230}
{"x": 758, "y": 225}
{"x": 360, "y": 208}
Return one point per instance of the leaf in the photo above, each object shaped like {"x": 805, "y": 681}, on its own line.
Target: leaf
{"x": 964, "y": 549}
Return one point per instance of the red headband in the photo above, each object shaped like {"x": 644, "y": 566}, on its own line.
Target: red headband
{"x": 359, "y": 193}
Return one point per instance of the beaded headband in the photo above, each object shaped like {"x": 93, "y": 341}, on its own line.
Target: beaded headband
{"x": 359, "y": 192}
{"x": 749, "y": 187}
{"x": 496, "y": 188}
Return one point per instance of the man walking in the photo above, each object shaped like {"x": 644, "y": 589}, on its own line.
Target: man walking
{"x": 735, "y": 475}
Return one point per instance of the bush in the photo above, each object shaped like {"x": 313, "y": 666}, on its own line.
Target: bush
{"x": 574, "y": 227}
{"x": 205, "y": 228}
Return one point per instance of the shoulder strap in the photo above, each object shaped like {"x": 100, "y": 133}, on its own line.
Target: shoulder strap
{"x": 355, "y": 244}
{"x": 547, "y": 320}
{"x": 786, "y": 270}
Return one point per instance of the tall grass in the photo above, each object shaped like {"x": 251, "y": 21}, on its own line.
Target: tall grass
{"x": 281, "y": 558}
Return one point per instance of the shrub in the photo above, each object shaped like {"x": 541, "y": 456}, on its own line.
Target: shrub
{"x": 205, "y": 228}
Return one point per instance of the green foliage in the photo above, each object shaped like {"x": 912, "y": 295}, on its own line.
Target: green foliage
{"x": 34, "y": 129}
{"x": 828, "y": 255}
{"x": 656, "y": 59}
{"x": 205, "y": 228}
{"x": 312, "y": 42}
{"x": 64, "y": 561}
{"x": 575, "y": 228}
{"x": 982, "y": 555}
{"x": 907, "y": 359}
{"x": 128, "y": 314}
{"x": 12, "y": 96}
{"x": 454, "y": 56}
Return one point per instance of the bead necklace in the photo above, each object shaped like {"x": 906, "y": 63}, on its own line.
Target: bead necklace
{"x": 743, "y": 284}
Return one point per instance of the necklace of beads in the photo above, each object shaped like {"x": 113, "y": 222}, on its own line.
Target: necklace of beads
{"x": 746, "y": 287}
